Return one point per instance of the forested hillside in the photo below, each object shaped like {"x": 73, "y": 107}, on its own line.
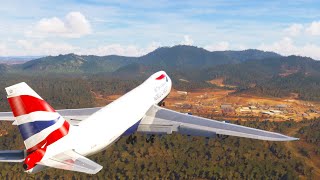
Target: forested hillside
{"x": 277, "y": 77}
{"x": 169, "y": 58}
{"x": 65, "y": 91}
{"x": 249, "y": 71}
{"x": 177, "y": 156}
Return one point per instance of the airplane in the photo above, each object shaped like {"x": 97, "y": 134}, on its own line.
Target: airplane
{"x": 64, "y": 138}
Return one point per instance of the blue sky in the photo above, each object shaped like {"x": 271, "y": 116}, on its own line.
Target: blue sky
{"x": 134, "y": 28}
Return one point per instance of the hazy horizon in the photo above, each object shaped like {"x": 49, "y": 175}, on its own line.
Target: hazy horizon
{"x": 98, "y": 27}
{"x": 39, "y": 56}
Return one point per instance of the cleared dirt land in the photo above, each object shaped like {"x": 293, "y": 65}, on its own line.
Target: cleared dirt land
{"x": 219, "y": 103}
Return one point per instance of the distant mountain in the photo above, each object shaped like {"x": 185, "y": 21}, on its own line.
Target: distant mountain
{"x": 3, "y": 68}
{"x": 13, "y": 60}
{"x": 250, "y": 54}
{"x": 189, "y": 57}
{"x": 18, "y": 58}
{"x": 74, "y": 63}
{"x": 253, "y": 71}
{"x": 185, "y": 57}
{"x": 177, "y": 58}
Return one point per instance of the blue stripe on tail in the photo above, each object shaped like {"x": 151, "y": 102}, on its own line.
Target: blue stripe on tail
{"x": 29, "y": 129}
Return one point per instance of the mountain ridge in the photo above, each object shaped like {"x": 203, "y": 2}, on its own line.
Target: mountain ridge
{"x": 250, "y": 70}
{"x": 177, "y": 57}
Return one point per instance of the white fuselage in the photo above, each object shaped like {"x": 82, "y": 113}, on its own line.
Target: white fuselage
{"x": 106, "y": 126}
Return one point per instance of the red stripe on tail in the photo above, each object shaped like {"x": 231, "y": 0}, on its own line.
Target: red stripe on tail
{"x": 26, "y": 104}
{"x": 52, "y": 137}
{"x": 37, "y": 152}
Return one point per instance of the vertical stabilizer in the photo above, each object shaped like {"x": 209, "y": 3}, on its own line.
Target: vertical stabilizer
{"x": 39, "y": 124}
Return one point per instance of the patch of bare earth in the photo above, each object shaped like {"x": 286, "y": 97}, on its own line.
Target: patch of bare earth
{"x": 220, "y": 82}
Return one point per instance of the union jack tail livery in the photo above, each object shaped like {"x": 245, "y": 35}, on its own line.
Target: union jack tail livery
{"x": 39, "y": 124}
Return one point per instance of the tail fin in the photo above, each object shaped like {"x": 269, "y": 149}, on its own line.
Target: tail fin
{"x": 39, "y": 124}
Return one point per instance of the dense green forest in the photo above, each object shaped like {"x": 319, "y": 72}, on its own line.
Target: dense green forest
{"x": 178, "y": 156}
{"x": 174, "y": 156}
{"x": 56, "y": 90}
{"x": 275, "y": 77}
{"x": 77, "y": 90}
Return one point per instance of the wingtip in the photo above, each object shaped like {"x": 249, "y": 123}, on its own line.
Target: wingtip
{"x": 292, "y": 139}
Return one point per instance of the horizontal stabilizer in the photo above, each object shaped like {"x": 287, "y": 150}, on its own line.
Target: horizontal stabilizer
{"x": 6, "y": 116}
{"x": 73, "y": 116}
{"x": 12, "y": 156}
{"x": 72, "y": 161}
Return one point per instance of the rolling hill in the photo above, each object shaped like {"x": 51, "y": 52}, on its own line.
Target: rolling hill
{"x": 277, "y": 77}
{"x": 169, "y": 58}
{"x": 70, "y": 63}
{"x": 254, "y": 71}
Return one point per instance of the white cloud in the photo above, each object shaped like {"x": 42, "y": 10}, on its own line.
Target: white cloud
{"x": 151, "y": 47}
{"x": 118, "y": 49}
{"x": 3, "y": 50}
{"x": 294, "y": 29}
{"x": 49, "y": 48}
{"x": 186, "y": 40}
{"x": 113, "y": 49}
{"x": 31, "y": 47}
{"x": 25, "y": 44}
{"x": 77, "y": 23}
{"x": 314, "y": 28}
{"x": 53, "y": 25}
{"x": 73, "y": 25}
{"x": 44, "y": 48}
{"x": 286, "y": 46}
{"x": 221, "y": 46}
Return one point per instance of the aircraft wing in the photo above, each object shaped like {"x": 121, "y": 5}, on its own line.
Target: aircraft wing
{"x": 159, "y": 120}
{"x": 74, "y": 116}
{"x": 72, "y": 161}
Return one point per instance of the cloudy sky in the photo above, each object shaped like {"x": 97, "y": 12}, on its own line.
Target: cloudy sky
{"x": 134, "y": 28}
